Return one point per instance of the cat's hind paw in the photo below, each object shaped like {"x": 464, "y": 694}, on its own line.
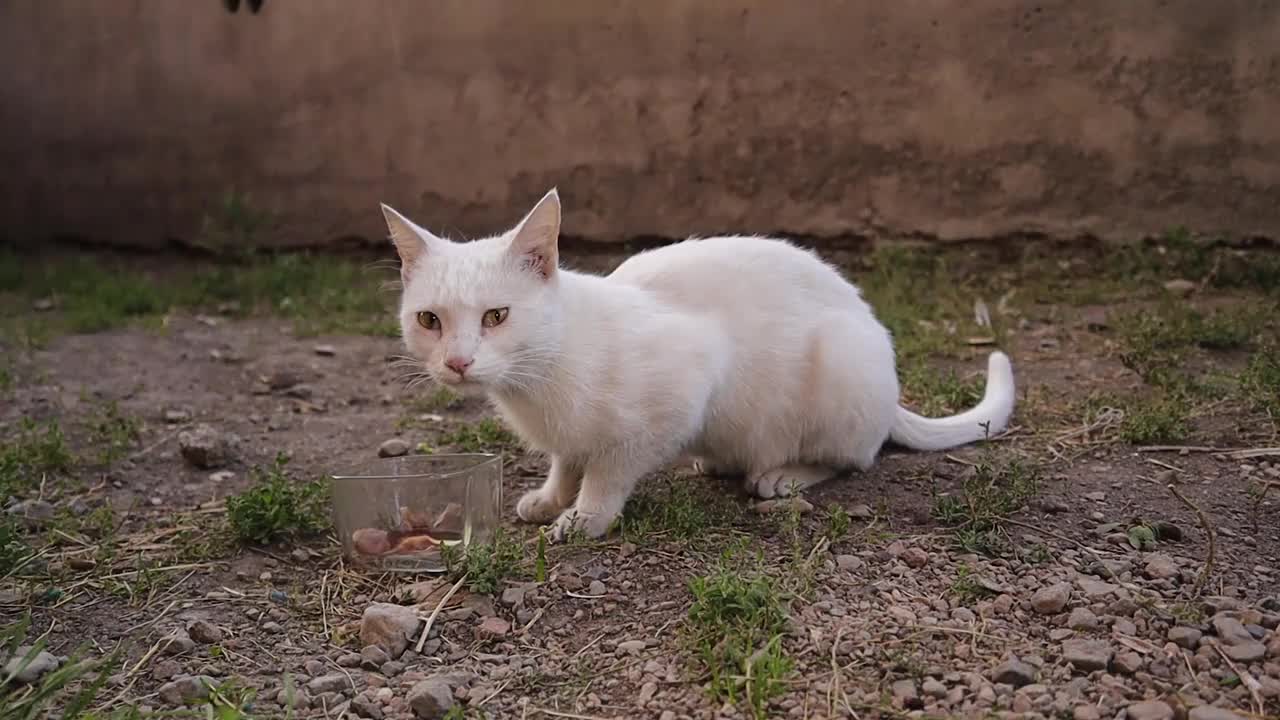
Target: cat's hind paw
{"x": 538, "y": 507}
{"x": 573, "y": 523}
{"x": 786, "y": 480}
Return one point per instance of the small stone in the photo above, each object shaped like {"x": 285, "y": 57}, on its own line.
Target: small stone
{"x": 394, "y": 447}
{"x": 272, "y": 627}
{"x": 43, "y": 305}
{"x": 34, "y": 512}
{"x": 1053, "y": 504}
{"x": 178, "y": 643}
{"x": 1160, "y": 567}
{"x": 1123, "y": 626}
{"x": 431, "y": 699}
{"x": 373, "y": 657}
{"x": 300, "y": 555}
{"x": 915, "y": 558}
{"x": 186, "y": 689}
{"x": 204, "y": 447}
{"x": 849, "y": 562}
{"x": 326, "y": 350}
{"x": 390, "y": 627}
{"x": 1051, "y": 600}
{"x": 934, "y": 688}
{"x": 1209, "y": 712}
{"x": 1014, "y": 672}
{"x": 221, "y": 476}
{"x": 1149, "y": 710}
{"x": 630, "y": 647}
{"x": 1128, "y": 663}
{"x": 647, "y": 691}
{"x": 861, "y": 511}
{"x": 1096, "y": 588}
{"x": 349, "y": 660}
{"x": 513, "y": 596}
{"x": 1087, "y": 655}
{"x": 1180, "y": 287}
{"x": 366, "y": 707}
{"x": 41, "y": 664}
{"x": 333, "y": 682}
{"x": 1231, "y": 630}
{"x": 1186, "y": 637}
{"x": 174, "y": 416}
{"x": 1086, "y": 712}
{"x": 596, "y": 588}
{"x": 393, "y": 668}
{"x": 1246, "y": 652}
{"x": 493, "y": 627}
{"x": 1095, "y": 496}
{"x": 905, "y": 695}
{"x": 1082, "y": 619}
{"x": 203, "y": 631}
{"x": 166, "y": 669}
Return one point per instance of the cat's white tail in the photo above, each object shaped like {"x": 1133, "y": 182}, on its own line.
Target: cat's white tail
{"x": 989, "y": 418}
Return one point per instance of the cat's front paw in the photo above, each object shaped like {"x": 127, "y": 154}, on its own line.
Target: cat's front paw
{"x": 538, "y": 507}
{"x": 574, "y": 522}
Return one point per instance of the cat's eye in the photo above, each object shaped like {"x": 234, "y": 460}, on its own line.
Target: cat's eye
{"x": 494, "y": 317}
{"x": 428, "y": 320}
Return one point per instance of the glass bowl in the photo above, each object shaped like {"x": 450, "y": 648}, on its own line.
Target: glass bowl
{"x": 397, "y": 514}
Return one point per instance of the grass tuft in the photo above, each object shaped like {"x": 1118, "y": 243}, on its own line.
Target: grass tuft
{"x": 735, "y": 625}
{"x": 486, "y": 435}
{"x": 37, "y": 451}
{"x": 276, "y": 507}
{"x": 678, "y": 508}
{"x": 487, "y": 565}
{"x": 989, "y": 494}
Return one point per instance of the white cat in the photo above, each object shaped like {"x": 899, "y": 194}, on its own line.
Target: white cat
{"x": 747, "y": 353}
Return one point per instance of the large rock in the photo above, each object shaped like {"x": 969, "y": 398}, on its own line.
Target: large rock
{"x": 204, "y": 447}
{"x": 28, "y": 672}
{"x": 390, "y": 627}
{"x": 1014, "y": 672}
{"x": 1052, "y": 599}
{"x": 431, "y": 699}
{"x": 1087, "y": 655}
{"x": 187, "y": 688}
{"x": 1149, "y": 710}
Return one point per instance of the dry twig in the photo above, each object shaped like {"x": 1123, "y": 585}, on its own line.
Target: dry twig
{"x": 1209, "y": 532}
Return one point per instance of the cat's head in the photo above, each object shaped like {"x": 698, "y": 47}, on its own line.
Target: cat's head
{"x": 483, "y": 314}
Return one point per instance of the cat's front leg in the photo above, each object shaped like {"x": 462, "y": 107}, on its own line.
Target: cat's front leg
{"x": 556, "y": 494}
{"x": 606, "y": 485}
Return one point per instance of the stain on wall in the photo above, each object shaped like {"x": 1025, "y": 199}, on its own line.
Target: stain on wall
{"x": 129, "y": 122}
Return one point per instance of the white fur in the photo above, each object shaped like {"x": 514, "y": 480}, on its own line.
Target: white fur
{"x": 747, "y": 353}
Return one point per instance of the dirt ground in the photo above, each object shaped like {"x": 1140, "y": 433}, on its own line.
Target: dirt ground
{"x": 999, "y": 579}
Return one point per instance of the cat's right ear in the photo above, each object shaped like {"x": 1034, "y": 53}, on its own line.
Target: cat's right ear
{"x": 412, "y": 242}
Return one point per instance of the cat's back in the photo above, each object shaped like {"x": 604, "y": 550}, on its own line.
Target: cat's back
{"x": 736, "y": 271}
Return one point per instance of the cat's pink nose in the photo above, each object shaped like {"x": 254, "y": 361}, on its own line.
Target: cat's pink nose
{"x": 458, "y": 365}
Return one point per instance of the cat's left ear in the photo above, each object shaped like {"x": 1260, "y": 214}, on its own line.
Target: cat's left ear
{"x": 536, "y": 238}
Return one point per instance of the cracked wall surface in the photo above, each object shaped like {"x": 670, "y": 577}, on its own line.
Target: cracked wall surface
{"x": 128, "y": 122}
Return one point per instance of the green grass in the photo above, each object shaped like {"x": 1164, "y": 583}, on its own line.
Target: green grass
{"x": 13, "y": 546}
{"x": 837, "y": 523}
{"x": 36, "y": 452}
{"x": 1156, "y": 420}
{"x": 112, "y": 432}
{"x": 486, "y": 435}
{"x": 1260, "y": 381}
{"x": 487, "y": 566}
{"x": 934, "y": 393}
{"x": 319, "y": 293}
{"x": 676, "y": 508}
{"x": 276, "y": 507}
{"x": 966, "y": 588}
{"x": 735, "y": 627}
{"x": 73, "y": 688}
{"x": 990, "y": 492}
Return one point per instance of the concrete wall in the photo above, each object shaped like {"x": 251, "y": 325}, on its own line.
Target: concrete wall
{"x": 126, "y": 121}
